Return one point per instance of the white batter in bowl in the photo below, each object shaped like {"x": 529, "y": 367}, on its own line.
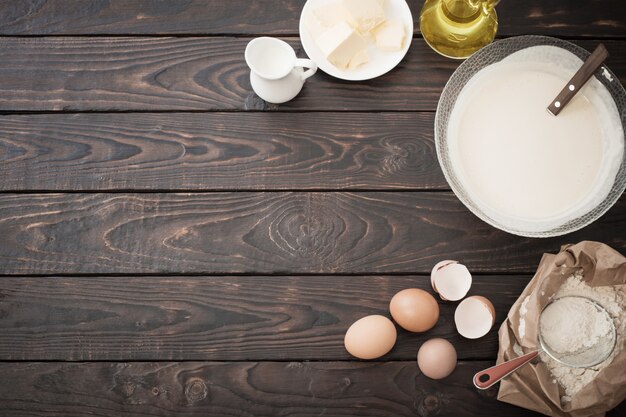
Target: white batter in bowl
{"x": 514, "y": 164}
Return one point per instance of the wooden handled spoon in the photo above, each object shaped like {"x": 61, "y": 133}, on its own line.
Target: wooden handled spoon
{"x": 591, "y": 65}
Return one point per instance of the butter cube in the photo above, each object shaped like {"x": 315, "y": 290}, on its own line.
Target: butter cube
{"x": 331, "y": 14}
{"x": 341, "y": 44}
{"x": 390, "y": 36}
{"x": 359, "y": 59}
{"x": 365, "y": 15}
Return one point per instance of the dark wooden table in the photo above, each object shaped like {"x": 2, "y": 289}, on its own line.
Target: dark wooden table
{"x": 171, "y": 245}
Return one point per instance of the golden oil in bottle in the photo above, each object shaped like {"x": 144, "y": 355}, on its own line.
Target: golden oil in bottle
{"x": 458, "y": 28}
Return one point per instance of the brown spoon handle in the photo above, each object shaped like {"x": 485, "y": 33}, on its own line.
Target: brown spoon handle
{"x": 488, "y": 377}
{"x": 590, "y": 66}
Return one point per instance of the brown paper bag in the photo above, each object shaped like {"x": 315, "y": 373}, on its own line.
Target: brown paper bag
{"x": 532, "y": 386}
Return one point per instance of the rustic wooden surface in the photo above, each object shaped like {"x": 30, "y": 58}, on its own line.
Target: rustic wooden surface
{"x": 275, "y": 233}
{"x": 243, "y": 388}
{"x": 171, "y": 245}
{"x": 219, "y": 151}
{"x": 218, "y": 318}
{"x": 591, "y": 18}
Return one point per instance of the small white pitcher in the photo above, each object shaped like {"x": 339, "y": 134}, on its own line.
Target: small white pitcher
{"x": 276, "y": 75}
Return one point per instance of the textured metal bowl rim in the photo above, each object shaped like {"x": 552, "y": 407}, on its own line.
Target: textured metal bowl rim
{"x": 490, "y": 55}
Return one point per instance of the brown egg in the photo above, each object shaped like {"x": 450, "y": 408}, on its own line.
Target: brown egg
{"x": 414, "y": 310}
{"x": 370, "y": 337}
{"x": 436, "y": 358}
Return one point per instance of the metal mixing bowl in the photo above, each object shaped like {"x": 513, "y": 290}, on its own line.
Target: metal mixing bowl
{"x": 491, "y": 54}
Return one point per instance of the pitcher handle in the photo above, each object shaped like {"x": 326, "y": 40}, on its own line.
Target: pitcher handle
{"x": 306, "y": 63}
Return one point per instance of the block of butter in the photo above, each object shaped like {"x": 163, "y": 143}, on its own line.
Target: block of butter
{"x": 390, "y": 35}
{"x": 360, "y": 58}
{"x": 331, "y": 14}
{"x": 343, "y": 46}
{"x": 365, "y": 15}
{"x": 343, "y": 30}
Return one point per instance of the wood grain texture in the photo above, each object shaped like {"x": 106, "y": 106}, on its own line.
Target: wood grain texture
{"x": 118, "y": 74}
{"x": 219, "y": 151}
{"x": 242, "y": 232}
{"x": 596, "y": 18}
{"x": 219, "y": 318}
{"x": 246, "y": 389}
{"x": 189, "y": 74}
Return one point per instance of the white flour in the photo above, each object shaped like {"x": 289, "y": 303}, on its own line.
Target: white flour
{"x": 572, "y": 324}
{"x": 612, "y": 299}
{"x": 522, "y": 314}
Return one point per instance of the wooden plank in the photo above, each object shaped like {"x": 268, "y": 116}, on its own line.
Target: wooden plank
{"x": 119, "y": 74}
{"x": 189, "y": 74}
{"x": 578, "y": 18}
{"x": 250, "y": 388}
{"x": 219, "y": 318}
{"x": 242, "y": 232}
{"x": 600, "y": 18}
{"x": 219, "y": 151}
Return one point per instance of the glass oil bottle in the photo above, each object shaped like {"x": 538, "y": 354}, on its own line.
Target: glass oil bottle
{"x": 458, "y": 28}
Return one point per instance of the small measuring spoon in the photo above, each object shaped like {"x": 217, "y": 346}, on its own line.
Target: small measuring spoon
{"x": 589, "y": 67}
{"x": 584, "y": 358}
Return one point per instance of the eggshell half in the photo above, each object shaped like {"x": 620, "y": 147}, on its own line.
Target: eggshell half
{"x": 474, "y": 317}
{"x": 436, "y": 268}
{"x": 370, "y": 337}
{"x": 436, "y": 358}
{"x": 452, "y": 281}
{"x": 414, "y": 310}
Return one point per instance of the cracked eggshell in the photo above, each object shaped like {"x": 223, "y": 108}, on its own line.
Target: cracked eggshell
{"x": 370, "y": 337}
{"x": 474, "y": 317}
{"x": 452, "y": 281}
{"x": 438, "y": 266}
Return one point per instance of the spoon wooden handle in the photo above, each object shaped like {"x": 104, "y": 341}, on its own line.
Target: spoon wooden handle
{"x": 591, "y": 65}
{"x": 488, "y": 377}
